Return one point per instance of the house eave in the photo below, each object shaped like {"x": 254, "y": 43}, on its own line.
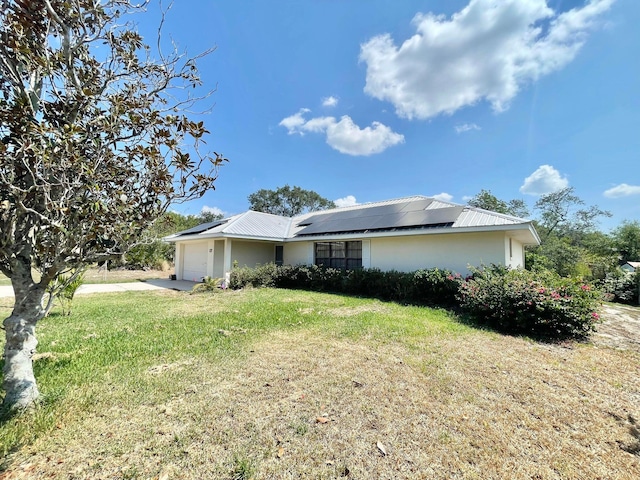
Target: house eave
{"x": 220, "y": 236}
{"x": 429, "y": 231}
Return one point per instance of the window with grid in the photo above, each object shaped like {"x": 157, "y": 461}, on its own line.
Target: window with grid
{"x": 345, "y": 255}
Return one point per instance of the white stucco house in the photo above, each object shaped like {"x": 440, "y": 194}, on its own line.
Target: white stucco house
{"x": 403, "y": 234}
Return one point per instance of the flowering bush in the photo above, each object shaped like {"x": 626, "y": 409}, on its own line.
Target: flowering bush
{"x": 538, "y": 303}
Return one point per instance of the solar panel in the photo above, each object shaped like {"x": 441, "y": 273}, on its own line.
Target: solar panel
{"x": 202, "y": 227}
{"x": 384, "y": 217}
{"x": 340, "y": 225}
{"x": 417, "y": 205}
{"x": 356, "y": 213}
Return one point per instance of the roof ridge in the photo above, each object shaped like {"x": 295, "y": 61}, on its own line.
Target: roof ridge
{"x": 265, "y": 213}
{"x": 497, "y": 214}
{"x": 230, "y": 222}
{"x": 364, "y": 205}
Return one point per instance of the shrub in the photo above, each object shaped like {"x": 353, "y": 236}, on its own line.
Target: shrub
{"x": 424, "y": 287}
{"x": 539, "y": 303}
{"x": 261, "y": 276}
{"x": 369, "y": 282}
{"x": 155, "y": 255}
{"x": 621, "y": 287}
{"x": 435, "y": 287}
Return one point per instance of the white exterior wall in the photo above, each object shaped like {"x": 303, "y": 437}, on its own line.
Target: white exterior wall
{"x": 178, "y": 259}
{"x": 455, "y": 252}
{"x": 514, "y": 253}
{"x": 451, "y": 251}
{"x": 250, "y": 254}
{"x": 298, "y": 253}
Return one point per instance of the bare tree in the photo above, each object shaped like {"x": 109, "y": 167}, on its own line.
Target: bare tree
{"x": 96, "y": 143}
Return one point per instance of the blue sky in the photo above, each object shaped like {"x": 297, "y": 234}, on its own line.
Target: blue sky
{"x": 371, "y": 100}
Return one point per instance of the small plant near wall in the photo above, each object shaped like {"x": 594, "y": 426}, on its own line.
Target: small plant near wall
{"x": 209, "y": 284}
{"x": 64, "y": 288}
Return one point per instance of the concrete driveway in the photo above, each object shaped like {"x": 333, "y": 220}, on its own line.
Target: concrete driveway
{"x": 152, "y": 284}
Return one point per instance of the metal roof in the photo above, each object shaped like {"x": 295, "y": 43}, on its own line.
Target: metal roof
{"x": 249, "y": 224}
{"x": 258, "y": 224}
{"x": 415, "y": 213}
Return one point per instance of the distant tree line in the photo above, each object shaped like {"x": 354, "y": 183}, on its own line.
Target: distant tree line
{"x": 154, "y": 253}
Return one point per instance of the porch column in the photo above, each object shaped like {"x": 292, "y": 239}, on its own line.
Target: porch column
{"x": 178, "y": 259}
{"x": 227, "y": 258}
{"x": 210, "y": 257}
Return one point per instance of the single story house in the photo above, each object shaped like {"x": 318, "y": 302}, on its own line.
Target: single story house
{"x": 631, "y": 267}
{"x": 404, "y": 234}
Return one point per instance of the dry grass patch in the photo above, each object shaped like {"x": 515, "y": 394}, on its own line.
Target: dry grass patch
{"x": 621, "y": 329}
{"x": 312, "y": 404}
{"x": 98, "y": 275}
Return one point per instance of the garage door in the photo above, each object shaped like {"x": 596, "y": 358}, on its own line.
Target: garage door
{"x": 194, "y": 266}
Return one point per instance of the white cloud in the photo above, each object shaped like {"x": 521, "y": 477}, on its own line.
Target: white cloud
{"x": 445, "y": 197}
{"x": 343, "y": 135}
{"x": 214, "y": 210}
{"x": 545, "y": 179}
{"x": 294, "y": 122}
{"x": 347, "y": 201}
{"x": 622, "y": 190}
{"x": 346, "y": 137}
{"x": 466, "y": 127}
{"x": 486, "y": 51}
{"x": 330, "y": 101}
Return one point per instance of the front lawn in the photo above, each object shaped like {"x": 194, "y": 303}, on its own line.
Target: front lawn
{"x": 287, "y": 384}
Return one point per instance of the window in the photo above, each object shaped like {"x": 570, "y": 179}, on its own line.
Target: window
{"x": 345, "y": 255}
{"x": 279, "y": 255}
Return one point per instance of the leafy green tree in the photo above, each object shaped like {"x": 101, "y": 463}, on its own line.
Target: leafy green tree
{"x": 561, "y": 256}
{"x": 288, "y": 201}
{"x": 153, "y": 252}
{"x": 487, "y": 201}
{"x": 570, "y": 244}
{"x": 627, "y": 241}
{"x": 207, "y": 217}
{"x": 562, "y": 213}
{"x": 599, "y": 253}
{"x": 95, "y": 147}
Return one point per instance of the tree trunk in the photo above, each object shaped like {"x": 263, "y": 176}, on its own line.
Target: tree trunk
{"x": 19, "y": 381}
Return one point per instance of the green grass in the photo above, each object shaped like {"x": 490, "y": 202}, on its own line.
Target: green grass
{"x": 267, "y": 383}
{"x": 99, "y": 355}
